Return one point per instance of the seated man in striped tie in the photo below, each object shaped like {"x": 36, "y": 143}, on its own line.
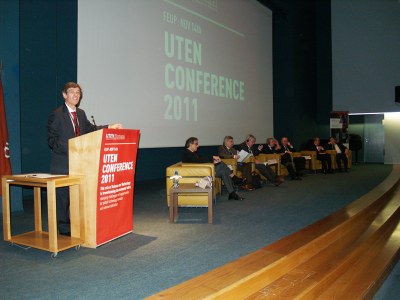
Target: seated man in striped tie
{"x": 64, "y": 123}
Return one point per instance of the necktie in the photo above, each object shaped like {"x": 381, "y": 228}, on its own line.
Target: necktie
{"x": 76, "y": 124}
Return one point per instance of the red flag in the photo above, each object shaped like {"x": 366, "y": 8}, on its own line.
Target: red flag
{"x": 5, "y": 165}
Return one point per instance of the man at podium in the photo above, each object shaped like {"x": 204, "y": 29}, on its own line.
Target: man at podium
{"x": 64, "y": 123}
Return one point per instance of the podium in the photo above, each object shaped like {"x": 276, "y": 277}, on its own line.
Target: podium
{"x": 107, "y": 160}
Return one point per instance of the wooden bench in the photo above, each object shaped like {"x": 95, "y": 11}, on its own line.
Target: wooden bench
{"x": 346, "y": 255}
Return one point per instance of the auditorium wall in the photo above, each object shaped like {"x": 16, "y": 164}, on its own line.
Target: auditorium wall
{"x": 44, "y": 53}
{"x": 9, "y": 55}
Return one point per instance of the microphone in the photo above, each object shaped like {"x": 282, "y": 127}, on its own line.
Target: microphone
{"x": 94, "y": 122}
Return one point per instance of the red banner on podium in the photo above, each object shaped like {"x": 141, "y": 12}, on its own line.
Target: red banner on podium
{"x": 116, "y": 184}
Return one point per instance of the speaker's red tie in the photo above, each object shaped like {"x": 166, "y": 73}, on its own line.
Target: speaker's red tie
{"x": 76, "y": 124}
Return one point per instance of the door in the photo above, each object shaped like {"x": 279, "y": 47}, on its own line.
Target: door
{"x": 374, "y": 139}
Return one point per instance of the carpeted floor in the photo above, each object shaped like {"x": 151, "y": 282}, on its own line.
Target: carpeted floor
{"x": 159, "y": 255}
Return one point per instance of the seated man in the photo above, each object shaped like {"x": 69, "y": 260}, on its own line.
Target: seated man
{"x": 286, "y": 159}
{"x": 322, "y": 156}
{"x": 227, "y": 151}
{"x": 341, "y": 153}
{"x": 265, "y": 170}
{"x": 270, "y": 147}
{"x": 190, "y": 155}
{"x": 299, "y": 162}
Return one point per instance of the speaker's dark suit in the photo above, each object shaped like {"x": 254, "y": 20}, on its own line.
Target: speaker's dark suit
{"x": 60, "y": 130}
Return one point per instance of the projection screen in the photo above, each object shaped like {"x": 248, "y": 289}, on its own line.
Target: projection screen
{"x": 177, "y": 68}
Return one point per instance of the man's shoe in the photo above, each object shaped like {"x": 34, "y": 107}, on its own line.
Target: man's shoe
{"x": 234, "y": 196}
{"x": 247, "y": 187}
{"x": 238, "y": 181}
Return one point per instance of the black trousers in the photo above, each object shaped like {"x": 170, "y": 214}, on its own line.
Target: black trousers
{"x": 339, "y": 158}
{"x": 267, "y": 172}
{"x": 325, "y": 161}
{"x": 245, "y": 168}
{"x": 62, "y": 205}
{"x": 299, "y": 163}
{"x": 287, "y": 161}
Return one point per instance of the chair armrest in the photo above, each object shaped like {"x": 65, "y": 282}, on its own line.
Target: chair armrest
{"x": 296, "y": 154}
{"x": 191, "y": 170}
{"x": 266, "y": 157}
{"x": 231, "y": 162}
{"x": 311, "y": 153}
{"x": 331, "y": 152}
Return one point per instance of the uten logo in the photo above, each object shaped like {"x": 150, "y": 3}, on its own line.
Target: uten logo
{"x": 114, "y": 137}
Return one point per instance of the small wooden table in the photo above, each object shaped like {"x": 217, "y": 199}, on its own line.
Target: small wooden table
{"x": 48, "y": 241}
{"x": 187, "y": 188}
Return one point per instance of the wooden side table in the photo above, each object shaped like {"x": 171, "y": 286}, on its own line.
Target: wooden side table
{"x": 187, "y": 188}
{"x": 48, "y": 241}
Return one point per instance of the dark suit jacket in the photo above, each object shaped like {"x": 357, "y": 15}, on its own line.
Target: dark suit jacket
{"x": 224, "y": 152}
{"x": 268, "y": 150}
{"x": 193, "y": 157}
{"x": 253, "y": 149}
{"x": 314, "y": 148}
{"x": 60, "y": 130}
{"x": 290, "y": 148}
{"x": 341, "y": 147}
{"x": 286, "y": 157}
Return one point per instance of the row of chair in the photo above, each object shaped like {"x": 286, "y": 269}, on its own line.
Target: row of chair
{"x": 192, "y": 173}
